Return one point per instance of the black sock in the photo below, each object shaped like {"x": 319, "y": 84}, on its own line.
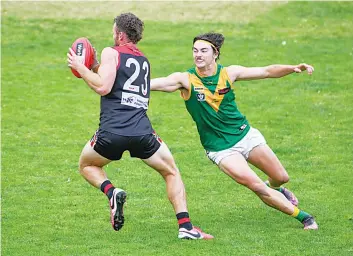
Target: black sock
{"x": 184, "y": 220}
{"x": 107, "y": 188}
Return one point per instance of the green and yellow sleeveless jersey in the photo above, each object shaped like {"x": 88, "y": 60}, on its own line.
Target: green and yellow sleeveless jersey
{"x": 211, "y": 104}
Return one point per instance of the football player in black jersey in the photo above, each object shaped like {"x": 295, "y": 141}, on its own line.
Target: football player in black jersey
{"x": 123, "y": 81}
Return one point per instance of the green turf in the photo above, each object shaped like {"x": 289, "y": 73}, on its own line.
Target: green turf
{"x": 48, "y": 115}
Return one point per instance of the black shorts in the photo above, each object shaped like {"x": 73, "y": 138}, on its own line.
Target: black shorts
{"x": 112, "y": 146}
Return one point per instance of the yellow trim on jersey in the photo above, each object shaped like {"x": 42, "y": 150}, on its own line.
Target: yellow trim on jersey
{"x": 296, "y": 212}
{"x": 227, "y": 76}
{"x": 182, "y": 94}
{"x": 214, "y": 100}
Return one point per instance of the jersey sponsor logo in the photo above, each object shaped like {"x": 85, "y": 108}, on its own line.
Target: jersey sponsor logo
{"x": 223, "y": 91}
{"x": 196, "y": 89}
{"x": 132, "y": 88}
{"x": 134, "y": 100}
{"x": 201, "y": 97}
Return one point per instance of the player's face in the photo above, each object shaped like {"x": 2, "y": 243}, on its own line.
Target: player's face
{"x": 203, "y": 54}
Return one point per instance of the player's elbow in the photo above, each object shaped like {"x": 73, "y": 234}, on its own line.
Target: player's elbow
{"x": 172, "y": 89}
{"x": 273, "y": 71}
{"x": 104, "y": 88}
{"x": 102, "y": 91}
{"x": 266, "y": 72}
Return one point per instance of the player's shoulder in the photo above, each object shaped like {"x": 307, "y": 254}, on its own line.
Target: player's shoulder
{"x": 109, "y": 55}
{"x": 184, "y": 78}
{"x": 109, "y": 50}
{"x": 131, "y": 50}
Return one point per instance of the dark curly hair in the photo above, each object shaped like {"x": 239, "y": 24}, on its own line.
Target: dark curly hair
{"x": 214, "y": 38}
{"x": 130, "y": 24}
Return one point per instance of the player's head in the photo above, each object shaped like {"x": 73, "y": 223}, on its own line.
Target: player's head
{"x": 127, "y": 28}
{"x": 206, "y": 48}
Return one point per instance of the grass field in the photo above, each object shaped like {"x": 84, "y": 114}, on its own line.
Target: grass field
{"x": 48, "y": 115}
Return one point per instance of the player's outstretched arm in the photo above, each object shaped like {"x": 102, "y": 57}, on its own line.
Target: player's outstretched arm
{"x": 102, "y": 81}
{"x": 272, "y": 71}
{"x": 170, "y": 83}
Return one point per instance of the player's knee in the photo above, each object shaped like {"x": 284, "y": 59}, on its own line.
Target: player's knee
{"x": 259, "y": 188}
{"x": 171, "y": 171}
{"x": 171, "y": 167}
{"x": 283, "y": 177}
{"x": 81, "y": 166}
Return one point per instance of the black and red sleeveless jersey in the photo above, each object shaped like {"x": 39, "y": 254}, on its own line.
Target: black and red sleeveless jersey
{"x": 123, "y": 110}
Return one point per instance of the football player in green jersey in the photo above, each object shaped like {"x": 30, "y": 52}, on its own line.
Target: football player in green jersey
{"x": 228, "y": 139}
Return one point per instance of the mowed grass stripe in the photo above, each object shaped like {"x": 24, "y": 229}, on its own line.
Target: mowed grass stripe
{"x": 174, "y": 11}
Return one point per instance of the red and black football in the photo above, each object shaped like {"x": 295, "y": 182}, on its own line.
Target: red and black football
{"x": 84, "y": 49}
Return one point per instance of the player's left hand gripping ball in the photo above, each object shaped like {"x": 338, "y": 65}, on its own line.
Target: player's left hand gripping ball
{"x": 81, "y": 52}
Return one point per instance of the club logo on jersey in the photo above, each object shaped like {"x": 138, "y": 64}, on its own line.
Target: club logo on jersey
{"x": 243, "y": 127}
{"x": 223, "y": 91}
{"x": 201, "y": 97}
{"x": 196, "y": 89}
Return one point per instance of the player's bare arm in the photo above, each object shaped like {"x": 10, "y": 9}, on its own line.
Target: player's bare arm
{"x": 102, "y": 81}
{"x": 171, "y": 83}
{"x": 273, "y": 71}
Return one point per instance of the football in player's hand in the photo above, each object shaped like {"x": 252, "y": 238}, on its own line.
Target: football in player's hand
{"x": 84, "y": 50}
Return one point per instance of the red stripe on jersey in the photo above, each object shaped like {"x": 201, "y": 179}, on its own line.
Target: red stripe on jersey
{"x": 128, "y": 49}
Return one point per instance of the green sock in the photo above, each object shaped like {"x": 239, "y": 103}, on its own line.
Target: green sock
{"x": 299, "y": 214}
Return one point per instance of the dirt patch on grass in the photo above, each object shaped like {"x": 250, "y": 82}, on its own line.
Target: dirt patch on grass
{"x": 175, "y": 11}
